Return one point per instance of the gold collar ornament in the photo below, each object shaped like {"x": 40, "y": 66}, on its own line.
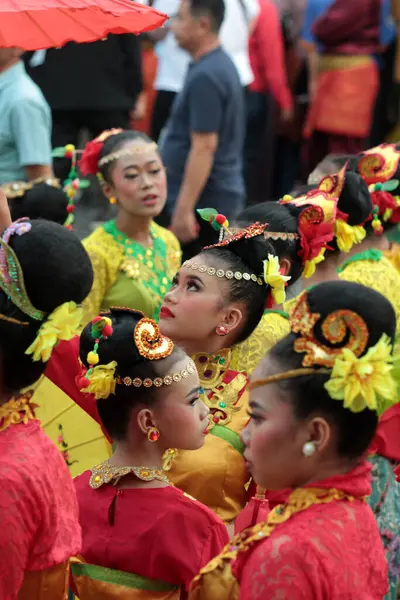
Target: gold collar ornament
{"x": 17, "y": 410}
{"x": 106, "y": 473}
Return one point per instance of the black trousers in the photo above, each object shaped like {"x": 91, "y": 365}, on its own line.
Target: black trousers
{"x": 161, "y": 111}
{"x": 68, "y": 124}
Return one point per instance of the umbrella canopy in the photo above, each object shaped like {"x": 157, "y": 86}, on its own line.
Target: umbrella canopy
{"x": 41, "y": 24}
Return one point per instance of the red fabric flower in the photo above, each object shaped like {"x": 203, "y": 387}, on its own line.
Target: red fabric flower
{"x": 314, "y": 233}
{"x": 397, "y": 473}
{"x": 89, "y": 161}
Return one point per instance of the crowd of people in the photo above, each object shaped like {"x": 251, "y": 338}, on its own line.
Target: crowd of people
{"x": 201, "y": 399}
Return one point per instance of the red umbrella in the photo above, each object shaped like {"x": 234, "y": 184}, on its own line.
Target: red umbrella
{"x": 41, "y": 24}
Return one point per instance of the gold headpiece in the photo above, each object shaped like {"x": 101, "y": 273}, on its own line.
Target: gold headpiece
{"x": 221, "y": 273}
{"x": 17, "y": 189}
{"x": 360, "y": 382}
{"x": 150, "y": 342}
{"x": 128, "y": 151}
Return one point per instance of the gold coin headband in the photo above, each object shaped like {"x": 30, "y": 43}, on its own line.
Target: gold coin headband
{"x": 17, "y": 189}
{"x": 221, "y": 273}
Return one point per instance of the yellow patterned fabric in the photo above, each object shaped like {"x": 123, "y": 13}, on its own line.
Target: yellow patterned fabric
{"x": 379, "y": 275}
{"x": 272, "y": 328}
{"x": 122, "y": 279}
{"x": 393, "y": 255}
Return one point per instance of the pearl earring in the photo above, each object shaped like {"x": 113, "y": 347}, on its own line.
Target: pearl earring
{"x": 309, "y": 449}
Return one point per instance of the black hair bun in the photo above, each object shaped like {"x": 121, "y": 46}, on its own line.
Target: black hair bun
{"x": 355, "y": 199}
{"x": 42, "y": 201}
{"x": 120, "y": 346}
{"x": 56, "y": 266}
{"x": 376, "y": 311}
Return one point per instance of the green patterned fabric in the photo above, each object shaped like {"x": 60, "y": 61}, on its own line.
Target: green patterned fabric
{"x": 371, "y": 254}
{"x": 120, "y": 578}
{"x": 385, "y": 503}
{"x": 231, "y": 437}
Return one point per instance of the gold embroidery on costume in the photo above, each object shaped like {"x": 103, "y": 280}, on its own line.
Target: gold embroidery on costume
{"x": 212, "y": 367}
{"x": 106, "y": 473}
{"x": 217, "y": 576}
{"x": 222, "y": 402}
{"x": 335, "y": 327}
{"x": 17, "y": 410}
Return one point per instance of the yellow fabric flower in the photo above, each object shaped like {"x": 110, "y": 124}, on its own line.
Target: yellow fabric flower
{"x": 102, "y": 381}
{"x": 274, "y": 279}
{"x": 365, "y": 382}
{"x": 311, "y": 265}
{"x": 348, "y": 235}
{"x": 62, "y": 324}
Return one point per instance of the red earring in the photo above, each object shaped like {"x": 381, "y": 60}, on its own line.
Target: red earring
{"x": 153, "y": 434}
{"x": 221, "y": 330}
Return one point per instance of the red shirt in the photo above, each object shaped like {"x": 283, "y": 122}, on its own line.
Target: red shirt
{"x": 266, "y": 52}
{"x": 39, "y": 525}
{"x": 158, "y": 533}
{"x": 350, "y": 27}
{"x": 330, "y": 551}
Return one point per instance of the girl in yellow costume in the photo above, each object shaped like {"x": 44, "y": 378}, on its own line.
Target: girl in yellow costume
{"x": 133, "y": 261}
{"x": 216, "y": 301}
{"x": 133, "y": 258}
{"x": 331, "y": 377}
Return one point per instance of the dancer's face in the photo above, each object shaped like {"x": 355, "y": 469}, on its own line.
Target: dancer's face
{"x": 138, "y": 181}
{"x": 195, "y": 306}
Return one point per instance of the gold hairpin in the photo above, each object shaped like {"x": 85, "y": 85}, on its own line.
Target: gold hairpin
{"x": 14, "y": 321}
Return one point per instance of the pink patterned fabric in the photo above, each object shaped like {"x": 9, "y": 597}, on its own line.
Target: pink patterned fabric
{"x": 39, "y": 521}
{"x": 328, "y": 551}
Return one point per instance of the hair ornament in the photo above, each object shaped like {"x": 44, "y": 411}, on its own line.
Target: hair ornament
{"x": 335, "y": 329}
{"x": 316, "y": 221}
{"x": 150, "y": 342}
{"x": 238, "y": 275}
{"x": 347, "y": 235}
{"x": 227, "y": 236}
{"x": 159, "y": 381}
{"x": 379, "y": 164}
{"x": 128, "y": 151}
{"x": 11, "y": 274}
{"x": 73, "y": 183}
{"x": 89, "y": 161}
{"x": 365, "y": 382}
{"x": 99, "y": 379}
{"x": 274, "y": 278}
{"x": 62, "y": 324}
{"x": 360, "y": 382}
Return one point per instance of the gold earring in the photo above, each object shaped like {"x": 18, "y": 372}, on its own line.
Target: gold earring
{"x": 153, "y": 434}
{"x": 113, "y": 200}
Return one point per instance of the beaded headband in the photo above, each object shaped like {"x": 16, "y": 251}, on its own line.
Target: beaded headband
{"x": 129, "y": 151}
{"x": 360, "y": 382}
{"x": 11, "y": 274}
{"x": 221, "y": 273}
{"x": 159, "y": 381}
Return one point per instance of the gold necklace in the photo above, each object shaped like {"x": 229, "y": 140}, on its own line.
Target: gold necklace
{"x": 212, "y": 367}
{"x": 106, "y": 473}
{"x": 17, "y": 410}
